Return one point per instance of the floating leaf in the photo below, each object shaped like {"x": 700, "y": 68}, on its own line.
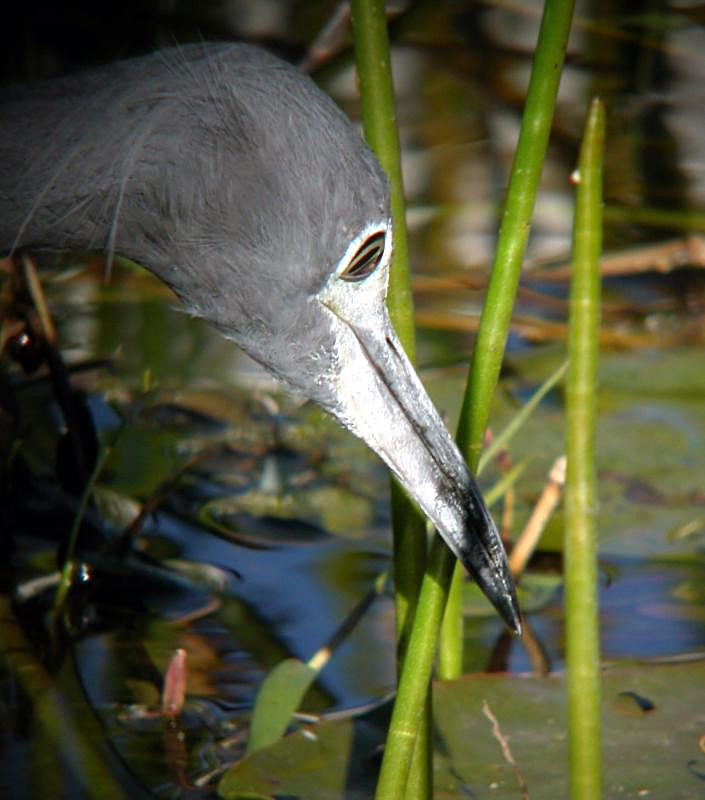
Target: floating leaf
{"x": 311, "y": 764}
{"x": 651, "y": 752}
{"x": 279, "y": 696}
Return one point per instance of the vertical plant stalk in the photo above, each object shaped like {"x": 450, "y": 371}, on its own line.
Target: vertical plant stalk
{"x": 513, "y": 234}
{"x": 67, "y": 568}
{"x": 515, "y": 225}
{"x": 581, "y": 620}
{"x": 485, "y": 366}
{"x": 369, "y": 28}
{"x": 450, "y": 641}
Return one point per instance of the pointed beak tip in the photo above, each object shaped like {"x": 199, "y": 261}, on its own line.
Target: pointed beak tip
{"x": 493, "y": 578}
{"x": 516, "y": 626}
{"x": 508, "y": 608}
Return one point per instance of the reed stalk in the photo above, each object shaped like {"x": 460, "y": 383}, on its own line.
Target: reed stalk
{"x": 484, "y": 371}
{"x": 369, "y": 27}
{"x": 580, "y": 562}
{"x": 371, "y": 45}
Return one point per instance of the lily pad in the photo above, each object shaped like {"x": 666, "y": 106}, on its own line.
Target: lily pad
{"x": 292, "y": 515}
{"x": 309, "y": 764}
{"x": 652, "y": 719}
{"x": 646, "y": 752}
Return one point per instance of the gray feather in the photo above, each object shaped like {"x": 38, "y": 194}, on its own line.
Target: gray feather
{"x": 205, "y": 163}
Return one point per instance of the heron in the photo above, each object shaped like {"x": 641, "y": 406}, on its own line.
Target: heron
{"x": 234, "y": 179}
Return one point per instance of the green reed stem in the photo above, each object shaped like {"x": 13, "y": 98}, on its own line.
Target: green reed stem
{"x": 513, "y": 234}
{"x": 581, "y": 620}
{"x": 515, "y": 225}
{"x": 449, "y": 664}
{"x": 413, "y": 686}
{"x": 369, "y": 27}
{"x": 484, "y": 371}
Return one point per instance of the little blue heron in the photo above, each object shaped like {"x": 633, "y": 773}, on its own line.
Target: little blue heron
{"x": 235, "y": 180}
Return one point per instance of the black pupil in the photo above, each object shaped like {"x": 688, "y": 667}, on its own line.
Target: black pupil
{"x": 366, "y": 259}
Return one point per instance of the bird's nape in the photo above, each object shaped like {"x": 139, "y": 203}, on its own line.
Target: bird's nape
{"x": 241, "y": 185}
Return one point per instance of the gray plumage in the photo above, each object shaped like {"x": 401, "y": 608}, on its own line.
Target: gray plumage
{"x": 242, "y": 186}
{"x": 140, "y": 151}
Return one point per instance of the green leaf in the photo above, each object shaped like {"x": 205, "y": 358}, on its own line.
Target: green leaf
{"x": 279, "y": 696}
{"x": 654, "y": 751}
{"x": 311, "y": 764}
{"x": 645, "y": 753}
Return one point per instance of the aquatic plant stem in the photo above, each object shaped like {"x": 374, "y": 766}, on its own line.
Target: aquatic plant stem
{"x": 515, "y": 225}
{"x": 580, "y": 563}
{"x": 413, "y": 687}
{"x": 66, "y": 575}
{"x": 484, "y": 371}
{"x": 369, "y": 28}
{"x": 513, "y": 234}
{"x": 450, "y": 642}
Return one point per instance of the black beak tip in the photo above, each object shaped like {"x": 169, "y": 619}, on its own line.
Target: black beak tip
{"x": 507, "y": 605}
{"x": 495, "y": 581}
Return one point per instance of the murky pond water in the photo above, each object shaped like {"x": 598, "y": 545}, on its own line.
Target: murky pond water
{"x": 272, "y": 523}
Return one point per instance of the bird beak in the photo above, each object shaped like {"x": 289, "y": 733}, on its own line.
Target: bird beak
{"x": 380, "y": 398}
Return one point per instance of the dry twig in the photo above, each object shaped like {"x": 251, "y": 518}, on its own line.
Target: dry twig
{"x": 506, "y": 751}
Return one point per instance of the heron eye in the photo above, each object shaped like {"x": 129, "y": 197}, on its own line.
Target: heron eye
{"x": 365, "y": 261}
